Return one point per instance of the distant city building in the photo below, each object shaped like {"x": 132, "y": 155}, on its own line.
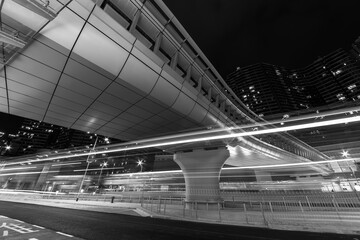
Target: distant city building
{"x": 34, "y": 136}
{"x": 269, "y": 89}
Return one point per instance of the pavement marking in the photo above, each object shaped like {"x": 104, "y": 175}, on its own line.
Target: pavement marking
{"x": 38, "y": 226}
{"x": 68, "y": 235}
{"x": 5, "y": 233}
{"x": 18, "y": 221}
{"x": 33, "y": 239}
{"x": 141, "y": 212}
{"x": 1, "y": 216}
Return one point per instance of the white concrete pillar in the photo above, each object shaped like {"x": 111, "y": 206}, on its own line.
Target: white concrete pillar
{"x": 201, "y": 171}
{"x": 262, "y": 176}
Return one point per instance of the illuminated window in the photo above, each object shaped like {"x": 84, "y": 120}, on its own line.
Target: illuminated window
{"x": 341, "y": 97}
{"x": 351, "y": 87}
{"x": 337, "y": 72}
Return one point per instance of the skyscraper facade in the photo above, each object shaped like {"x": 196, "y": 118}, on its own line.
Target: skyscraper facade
{"x": 269, "y": 89}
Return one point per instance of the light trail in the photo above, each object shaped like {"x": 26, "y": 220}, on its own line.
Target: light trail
{"x": 205, "y": 138}
{"x": 96, "y": 169}
{"x": 25, "y": 173}
{"x": 260, "y": 124}
{"x": 20, "y": 168}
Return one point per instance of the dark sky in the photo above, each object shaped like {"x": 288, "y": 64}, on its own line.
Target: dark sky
{"x": 290, "y": 33}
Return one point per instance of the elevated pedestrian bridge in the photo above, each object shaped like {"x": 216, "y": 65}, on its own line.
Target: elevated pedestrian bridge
{"x": 123, "y": 69}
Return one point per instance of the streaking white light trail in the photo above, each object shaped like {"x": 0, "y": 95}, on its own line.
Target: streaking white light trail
{"x": 260, "y": 124}
{"x": 207, "y": 138}
{"x": 26, "y": 173}
{"x": 64, "y": 164}
{"x": 20, "y": 168}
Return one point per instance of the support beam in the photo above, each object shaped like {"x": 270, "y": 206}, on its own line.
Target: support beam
{"x": 134, "y": 21}
{"x": 201, "y": 171}
{"x": 174, "y": 60}
{"x": 199, "y": 86}
{"x": 12, "y": 40}
{"x": 158, "y": 43}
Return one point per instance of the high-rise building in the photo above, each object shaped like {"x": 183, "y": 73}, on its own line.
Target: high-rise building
{"x": 34, "y": 136}
{"x": 268, "y": 89}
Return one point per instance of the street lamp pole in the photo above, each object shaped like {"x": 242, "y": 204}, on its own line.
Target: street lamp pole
{"x": 140, "y": 163}
{"x": 87, "y": 167}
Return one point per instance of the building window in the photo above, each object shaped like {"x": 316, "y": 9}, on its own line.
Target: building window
{"x": 352, "y": 87}
{"x": 340, "y": 97}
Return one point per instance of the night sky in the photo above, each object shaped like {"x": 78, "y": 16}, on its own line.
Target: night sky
{"x": 290, "y": 33}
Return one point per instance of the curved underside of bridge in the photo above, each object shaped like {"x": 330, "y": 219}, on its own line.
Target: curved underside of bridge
{"x": 81, "y": 68}
{"x": 84, "y": 71}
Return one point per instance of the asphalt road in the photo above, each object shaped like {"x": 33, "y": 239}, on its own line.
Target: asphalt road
{"x": 106, "y": 226}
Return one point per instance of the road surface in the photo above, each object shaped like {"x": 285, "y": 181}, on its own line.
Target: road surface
{"x": 106, "y": 226}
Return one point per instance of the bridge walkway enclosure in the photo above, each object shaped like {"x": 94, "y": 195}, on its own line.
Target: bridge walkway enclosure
{"x": 123, "y": 69}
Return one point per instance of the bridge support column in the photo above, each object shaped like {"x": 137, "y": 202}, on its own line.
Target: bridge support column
{"x": 262, "y": 176}
{"x": 201, "y": 171}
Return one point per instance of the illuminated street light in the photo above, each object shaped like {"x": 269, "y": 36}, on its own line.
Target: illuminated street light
{"x": 140, "y": 163}
{"x": 8, "y": 147}
{"x": 344, "y": 154}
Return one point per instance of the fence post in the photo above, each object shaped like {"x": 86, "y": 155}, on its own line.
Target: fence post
{"x": 184, "y": 204}
{"x": 159, "y": 207}
{"x": 263, "y": 214}
{"x": 284, "y": 204}
{"x": 302, "y": 210}
{"x": 308, "y": 202}
{"x": 246, "y": 217}
{"x": 271, "y": 209}
{"x": 196, "y": 210}
{"x": 219, "y": 212}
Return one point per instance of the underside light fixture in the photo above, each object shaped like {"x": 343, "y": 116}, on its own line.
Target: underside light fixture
{"x": 40, "y": 8}
{"x": 12, "y": 40}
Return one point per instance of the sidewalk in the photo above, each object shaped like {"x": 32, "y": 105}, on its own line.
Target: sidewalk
{"x": 321, "y": 222}
{"x": 96, "y": 206}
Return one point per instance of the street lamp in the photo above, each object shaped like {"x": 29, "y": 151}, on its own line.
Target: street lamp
{"x": 140, "y": 163}
{"x": 102, "y": 165}
{"x": 88, "y": 160}
{"x": 8, "y": 147}
{"x": 345, "y": 154}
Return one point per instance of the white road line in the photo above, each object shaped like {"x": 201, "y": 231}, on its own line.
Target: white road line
{"x": 5, "y": 233}
{"x": 18, "y": 220}
{"x": 33, "y": 239}
{"x": 68, "y": 235}
{"x": 141, "y": 212}
{"x": 38, "y": 226}
{"x": 1, "y": 216}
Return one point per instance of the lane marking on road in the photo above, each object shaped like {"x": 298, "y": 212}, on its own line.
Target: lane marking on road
{"x": 38, "y": 226}
{"x": 141, "y": 212}
{"x": 33, "y": 239}
{"x": 18, "y": 221}
{"x": 1, "y": 216}
{"x": 5, "y": 233}
{"x": 68, "y": 235}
